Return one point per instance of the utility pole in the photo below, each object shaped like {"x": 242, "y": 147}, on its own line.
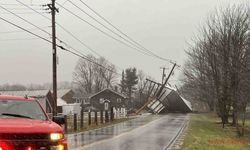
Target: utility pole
{"x": 163, "y": 74}
{"x": 164, "y": 84}
{"x": 54, "y": 57}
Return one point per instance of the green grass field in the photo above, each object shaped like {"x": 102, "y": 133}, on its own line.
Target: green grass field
{"x": 205, "y": 132}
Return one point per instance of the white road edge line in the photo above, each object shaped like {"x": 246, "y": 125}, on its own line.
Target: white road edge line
{"x": 177, "y": 135}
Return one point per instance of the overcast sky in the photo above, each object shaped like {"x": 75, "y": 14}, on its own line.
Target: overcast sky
{"x": 162, "y": 26}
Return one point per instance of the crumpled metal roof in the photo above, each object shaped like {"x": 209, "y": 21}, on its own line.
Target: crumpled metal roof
{"x": 169, "y": 100}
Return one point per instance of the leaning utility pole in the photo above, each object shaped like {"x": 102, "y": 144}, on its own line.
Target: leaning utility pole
{"x": 54, "y": 57}
{"x": 164, "y": 84}
{"x": 157, "y": 92}
{"x": 163, "y": 74}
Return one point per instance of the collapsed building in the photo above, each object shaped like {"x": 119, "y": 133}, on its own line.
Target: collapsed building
{"x": 164, "y": 98}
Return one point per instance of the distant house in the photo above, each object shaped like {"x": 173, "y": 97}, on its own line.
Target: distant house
{"x": 67, "y": 103}
{"x": 44, "y": 97}
{"x": 106, "y": 99}
{"x": 67, "y": 95}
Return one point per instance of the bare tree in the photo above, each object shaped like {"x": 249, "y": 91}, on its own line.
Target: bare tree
{"x": 108, "y": 74}
{"x": 83, "y": 75}
{"x": 218, "y": 64}
{"x": 91, "y": 77}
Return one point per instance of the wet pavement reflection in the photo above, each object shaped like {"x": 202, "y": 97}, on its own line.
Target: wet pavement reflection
{"x": 146, "y": 132}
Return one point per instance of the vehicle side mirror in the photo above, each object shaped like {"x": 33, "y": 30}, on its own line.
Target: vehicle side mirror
{"x": 59, "y": 120}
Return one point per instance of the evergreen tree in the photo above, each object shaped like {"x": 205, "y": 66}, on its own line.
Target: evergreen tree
{"x": 123, "y": 84}
{"x": 131, "y": 80}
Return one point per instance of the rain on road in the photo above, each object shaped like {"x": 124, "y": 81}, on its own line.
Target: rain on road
{"x": 146, "y": 132}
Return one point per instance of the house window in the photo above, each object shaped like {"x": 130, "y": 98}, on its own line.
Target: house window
{"x": 101, "y": 100}
{"x": 119, "y": 100}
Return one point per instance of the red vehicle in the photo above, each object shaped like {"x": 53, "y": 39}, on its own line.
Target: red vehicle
{"x": 24, "y": 125}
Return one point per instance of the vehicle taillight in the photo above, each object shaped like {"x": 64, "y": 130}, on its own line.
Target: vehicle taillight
{"x": 29, "y": 148}
{"x": 4, "y": 146}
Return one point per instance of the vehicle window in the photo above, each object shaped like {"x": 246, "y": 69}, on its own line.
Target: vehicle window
{"x": 23, "y": 109}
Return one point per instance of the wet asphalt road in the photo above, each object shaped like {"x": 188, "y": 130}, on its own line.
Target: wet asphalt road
{"x": 146, "y": 132}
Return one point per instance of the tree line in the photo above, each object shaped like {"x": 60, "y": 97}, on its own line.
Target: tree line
{"x": 217, "y": 70}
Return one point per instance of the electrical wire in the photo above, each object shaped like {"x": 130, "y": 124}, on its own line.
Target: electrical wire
{"x": 68, "y": 32}
{"x": 138, "y": 44}
{"x": 92, "y": 61}
{"x": 105, "y": 33}
{"x": 19, "y": 39}
{"x": 64, "y": 2}
{"x": 22, "y": 13}
{"x": 26, "y": 30}
{"x": 18, "y": 31}
{"x": 25, "y": 20}
{"x": 128, "y": 41}
{"x": 12, "y": 8}
{"x": 63, "y": 28}
{"x": 75, "y": 36}
{"x": 59, "y": 46}
{"x": 8, "y": 4}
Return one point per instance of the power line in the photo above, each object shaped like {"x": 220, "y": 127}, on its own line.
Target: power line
{"x": 18, "y": 31}
{"x": 74, "y": 35}
{"x": 67, "y": 31}
{"x": 19, "y": 39}
{"x": 26, "y": 30}
{"x": 23, "y": 13}
{"x": 85, "y": 45}
{"x": 25, "y": 20}
{"x": 21, "y": 8}
{"x": 86, "y": 22}
{"x": 64, "y": 2}
{"x": 86, "y": 57}
{"x": 59, "y": 46}
{"x": 90, "y": 24}
{"x": 63, "y": 28}
{"x": 92, "y": 61}
{"x": 105, "y": 33}
{"x": 99, "y": 15}
{"x": 104, "y": 25}
{"x": 8, "y": 4}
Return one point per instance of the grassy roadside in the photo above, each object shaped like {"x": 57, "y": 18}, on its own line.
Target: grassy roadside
{"x": 206, "y": 133}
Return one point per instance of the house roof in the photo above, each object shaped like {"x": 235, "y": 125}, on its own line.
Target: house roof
{"x": 62, "y": 92}
{"x": 108, "y": 90}
{"x": 61, "y": 102}
{"x": 36, "y": 93}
